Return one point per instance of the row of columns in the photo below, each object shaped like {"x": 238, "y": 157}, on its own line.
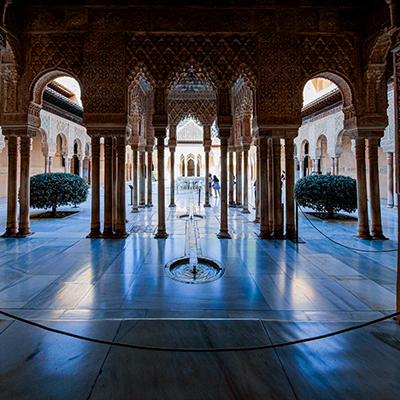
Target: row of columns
{"x": 374, "y": 196}
{"x": 22, "y": 143}
{"x": 114, "y": 185}
{"x": 139, "y": 177}
{"x": 269, "y": 200}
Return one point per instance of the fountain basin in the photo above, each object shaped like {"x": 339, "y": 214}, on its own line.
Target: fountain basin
{"x": 181, "y": 270}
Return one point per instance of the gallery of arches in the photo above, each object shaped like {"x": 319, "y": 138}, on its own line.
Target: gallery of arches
{"x": 199, "y": 200}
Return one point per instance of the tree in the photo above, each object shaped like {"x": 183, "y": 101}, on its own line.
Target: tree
{"x": 327, "y": 193}
{"x": 57, "y": 189}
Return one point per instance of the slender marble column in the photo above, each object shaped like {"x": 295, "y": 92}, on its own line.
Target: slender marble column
{"x": 142, "y": 180}
{"x": 390, "y": 186}
{"x": 149, "y": 150}
{"x": 66, "y": 165}
{"x": 172, "y": 190}
{"x": 301, "y": 168}
{"x": 121, "y": 211}
{"x": 239, "y": 158}
{"x": 363, "y": 224}
{"x": 375, "y": 201}
{"x": 24, "y": 192}
{"x": 336, "y": 165}
{"x": 50, "y": 164}
{"x": 289, "y": 188}
{"x": 278, "y": 217}
{"x": 258, "y": 186}
{"x": 46, "y": 164}
{"x": 95, "y": 217}
{"x": 270, "y": 186}
{"x": 108, "y": 187}
{"x": 160, "y": 134}
{"x": 207, "y": 165}
{"x": 135, "y": 208}
{"x": 224, "y": 134}
{"x": 262, "y": 188}
{"x": 231, "y": 174}
{"x": 12, "y": 145}
{"x": 333, "y": 169}
{"x": 80, "y": 161}
{"x": 115, "y": 183}
{"x": 245, "y": 181}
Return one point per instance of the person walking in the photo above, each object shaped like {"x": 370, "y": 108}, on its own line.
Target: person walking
{"x": 210, "y": 181}
{"x": 216, "y": 186}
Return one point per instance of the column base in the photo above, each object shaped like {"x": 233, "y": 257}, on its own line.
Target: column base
{"x": 149, "y": 205}
{"x": 265, "y": 235}
{"x": 378, "y": 235}
{"x": 257, "y": 220}
{"x": 135, "y": 210}
{"x": 108, "y": 234}
{"x": 94, "y": 233}
{"x": 290, "y": 234}
{"x": 142, "y": 205}
{"x": 246, "y": 211}
{"x": 363, "y": 235}
{"x": 206, "y": 205}
{"x": 224, "y": 235}
{"x": 172, "y": 205}
{"x": 9, "y": 232}
{"x": 120, "y": 235}
{"x": 23, "y": 233}
{"x": 278, "y": 235}
{"x": 161, "y": 235}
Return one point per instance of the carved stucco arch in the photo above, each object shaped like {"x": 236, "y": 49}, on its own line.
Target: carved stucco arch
{"x": 342, "y": 82}
{"x": 40, "y": 82}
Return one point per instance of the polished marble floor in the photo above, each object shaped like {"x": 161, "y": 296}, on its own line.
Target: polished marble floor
{"x": 272, "y": 291}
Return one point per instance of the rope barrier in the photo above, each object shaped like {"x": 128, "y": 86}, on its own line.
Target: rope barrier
{"x": 198, "y": 350}
{"x": 340, "y": 244}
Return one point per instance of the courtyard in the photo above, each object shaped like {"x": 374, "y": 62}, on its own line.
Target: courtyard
{"x": 272, "y": 291}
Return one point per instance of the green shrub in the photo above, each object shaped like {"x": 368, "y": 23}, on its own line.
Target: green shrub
{"x": 327, "y": 193}
{"x": 57, "y": 189}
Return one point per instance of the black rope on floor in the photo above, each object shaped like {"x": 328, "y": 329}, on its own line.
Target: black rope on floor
{"x": 198, "y": 350}
{"x": 340, "y": 244}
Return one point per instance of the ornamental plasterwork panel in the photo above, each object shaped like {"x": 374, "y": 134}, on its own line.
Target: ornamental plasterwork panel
{"x": 205, "y": 111}
{"x": 218, "y": 53}
{"x": 56, "y": 50}
{"x": 190, "y": 132}
{"x": 327, "y": 53}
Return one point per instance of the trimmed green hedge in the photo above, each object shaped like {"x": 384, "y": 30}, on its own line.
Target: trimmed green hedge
{"x": 57, "y": 189}
{"x": 327, "y": 193}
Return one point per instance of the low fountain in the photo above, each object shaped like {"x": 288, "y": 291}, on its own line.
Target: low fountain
{"x": 193, "y": 267}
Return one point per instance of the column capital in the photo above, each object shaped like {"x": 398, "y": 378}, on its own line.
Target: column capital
{"x": 149, "y": 148}
{"x": 160, "y": 132}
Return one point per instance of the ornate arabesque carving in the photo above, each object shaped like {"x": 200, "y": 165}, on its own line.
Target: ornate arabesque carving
{"x": 140, "y": 111}
{"x": 278, "y": 94}
{"x": 327, "y": 53}
{"x": 191, "y": 96}
{"x": 64, "y": 51}
{"x": 104, "y": 74}
{"x": 164, "y": 53}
